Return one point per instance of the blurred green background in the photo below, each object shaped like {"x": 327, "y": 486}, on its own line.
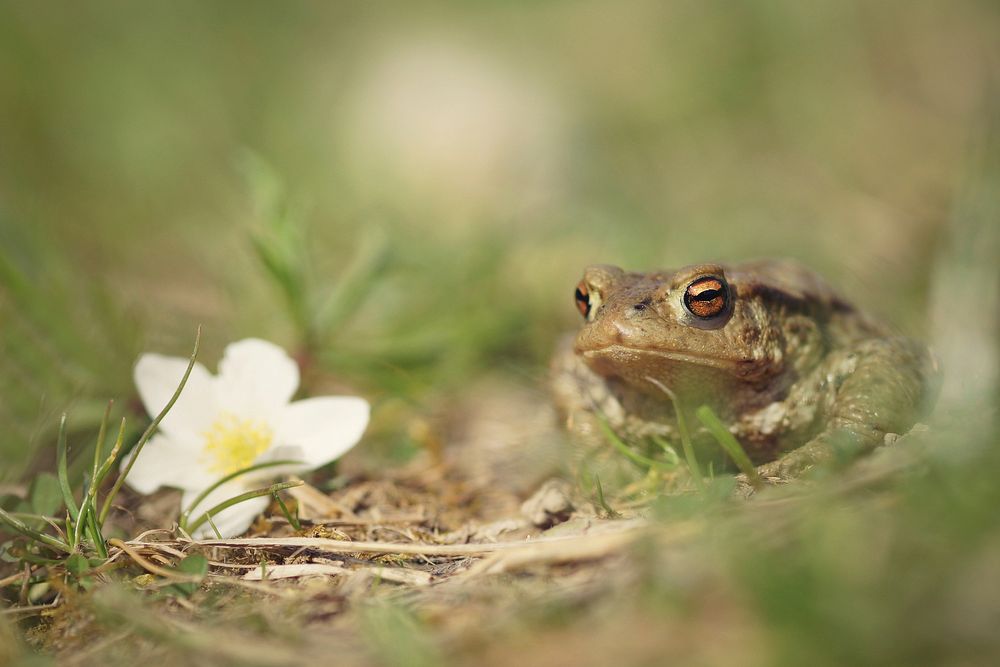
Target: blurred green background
{"x": 428, "y": 183}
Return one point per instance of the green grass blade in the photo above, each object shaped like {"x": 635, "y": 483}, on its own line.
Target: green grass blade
{"x": 33, "y": 516}
{"x": 99, "y": 447}
{"x": 602, "y": 501}
{"x": 243, "y": 497}
{"x": 354, "y": 285}
{"x": 109, "y": 462}
{"x": 63, "y": 470}
{"x": 186, "y": 514}
{"x": 21, "y": 527}
{"x": 292, "y": 520}
{"x": 81, "y": 521}
{"x": 45, "y": 494}
{"x": 215, "y": 529}
{"x": 685, "y": 435}
{"x": 84, "y": 521}
{"x": 195, "y": 566}
{"x": 626, "y": 451}
{"x": 669, "y": 450}
{"x": 728, "y": 442}
{"x": 94, "y": 528}
{"x": 148, "y": 433}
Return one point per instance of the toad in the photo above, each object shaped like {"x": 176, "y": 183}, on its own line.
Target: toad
{"x": 798, "y": 374}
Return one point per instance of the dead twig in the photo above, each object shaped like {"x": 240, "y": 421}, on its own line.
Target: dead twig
{"x": 575, "y": 549}
{"x": 29, "y": 610}
{"x": 12, "y": 579}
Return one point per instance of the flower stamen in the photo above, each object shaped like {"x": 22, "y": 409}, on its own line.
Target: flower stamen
{"x": 232, "y": 443}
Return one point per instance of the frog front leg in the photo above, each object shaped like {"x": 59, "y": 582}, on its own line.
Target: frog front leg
{"x": 878, "y": 388}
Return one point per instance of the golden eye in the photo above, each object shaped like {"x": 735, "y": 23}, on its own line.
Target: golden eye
{"x": 706, "y": 297}
{"x": 583, "y": 299}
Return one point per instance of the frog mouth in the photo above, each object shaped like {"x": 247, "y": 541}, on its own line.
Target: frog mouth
{"x": 625, "y": 355}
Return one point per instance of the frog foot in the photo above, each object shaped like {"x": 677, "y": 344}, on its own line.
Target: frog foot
{"x": 791, "y": 466}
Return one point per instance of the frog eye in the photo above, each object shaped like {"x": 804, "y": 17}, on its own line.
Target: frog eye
{"x": 587, "y": 300}
{"x": 706, "y": 297}
{"x": 583, "y": 299}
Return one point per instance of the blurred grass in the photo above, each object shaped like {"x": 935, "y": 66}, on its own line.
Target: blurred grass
{"x": 65, "y": 344}
{"x": 499, "y": 147}
{"x": 480, "y": 154}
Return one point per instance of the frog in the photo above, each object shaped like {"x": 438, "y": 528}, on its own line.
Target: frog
{"x": 799, "y": 375}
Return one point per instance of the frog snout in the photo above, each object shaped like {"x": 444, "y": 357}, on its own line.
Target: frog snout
{"x": 630, "y": 330}
{"x": 627, "y": 323}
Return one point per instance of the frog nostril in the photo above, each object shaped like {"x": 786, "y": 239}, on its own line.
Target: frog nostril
{"x": 642, "y": 305}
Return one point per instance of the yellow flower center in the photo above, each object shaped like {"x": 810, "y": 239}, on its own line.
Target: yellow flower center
{"x": 232, "y": 443}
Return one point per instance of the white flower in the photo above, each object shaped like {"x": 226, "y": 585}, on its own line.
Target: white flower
{"x": 240, "y": 417}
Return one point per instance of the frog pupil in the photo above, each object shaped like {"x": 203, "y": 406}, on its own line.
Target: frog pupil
{"x": 707, "y": 295}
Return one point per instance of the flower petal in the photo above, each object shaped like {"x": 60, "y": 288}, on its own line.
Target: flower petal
{"x": 321, "y": 429}
{"x": 256, "y": 379}
{"x": 164, "y": 461}
{"x": 156, "y": 378}
{"x": 231, "y": 521}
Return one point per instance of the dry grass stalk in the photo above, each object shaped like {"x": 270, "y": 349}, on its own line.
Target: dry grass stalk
{"x": 150, "y": 567}
{"x": 393, "y": 574}
{"x": 346, "y": 546}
